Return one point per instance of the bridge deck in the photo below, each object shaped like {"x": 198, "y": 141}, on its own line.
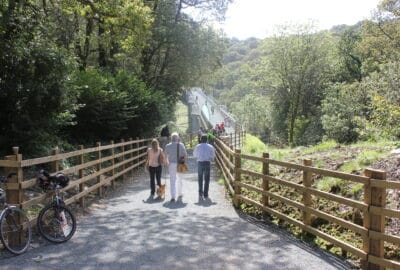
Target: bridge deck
{"x": 127, "y": 231}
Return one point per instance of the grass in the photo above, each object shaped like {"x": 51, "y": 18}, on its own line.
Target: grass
{"x": 368, "y": 157}
{"x": 320, "y": 147}
{"x": 181, "y": 124}
{"x": 327, "y": 183}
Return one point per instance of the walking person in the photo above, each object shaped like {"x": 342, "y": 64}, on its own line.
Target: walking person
{"x": 164, "y": 136}
{"x": 204, "y": 153}
{"x": 154, "y": 161}
{"x": 171, "y": 151}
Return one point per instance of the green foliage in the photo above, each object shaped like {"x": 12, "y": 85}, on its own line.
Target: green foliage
{"x": 343, "y": 109}
{"x": 297, "y": 68}
{"x": 113, "y": 107}
{"x": 323, "y": 146}
{"x": 253, "y": 145}
{"x": 253, "y": 112}
{"x": 384, "y": 89}
{"x": 330, "y": 184}
{"x": 367, "y": 158}
{"x": 35, "y": 101}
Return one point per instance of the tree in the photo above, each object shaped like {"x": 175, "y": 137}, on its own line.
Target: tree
{"x": 381, "y": 36}
{"x": 35, "y": 101}
{"x": 253, "y": 112}
{"x": 296, "y": 67}
{"x": 107, "y": 34}
{"x": 180, "y": 49}
{"x": 350, "y": 62}
{"x": 383, "y": 88}
{"x": 345, "y": 109}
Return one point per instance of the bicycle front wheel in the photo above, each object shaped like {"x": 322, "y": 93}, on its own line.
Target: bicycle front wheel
{"x": 15, "y": 230}
{"x": 56, "y": 223}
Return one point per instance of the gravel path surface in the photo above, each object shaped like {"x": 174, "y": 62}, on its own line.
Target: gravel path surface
{"x": 130, "y": 231}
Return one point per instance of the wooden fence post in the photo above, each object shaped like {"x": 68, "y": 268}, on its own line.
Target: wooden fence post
{"x": 123, "y": 159}
{"x": 235, "y": 136}
{"x": 374, "y": 196}
{"x": 231, "y": 141}
{"x": 98, "y": 157}
{"x": 130, "y": 155}
{"x": 80, "y": 172}
{"x": 137, "y": 150}
{"x": 113, "y": 164}
{"x": 307, "y": 200}
{"x": 238, "y": 164}
{"x": 240, "y": 138}
{"x": 265, "y": 182}
{"x": 15, "y": 196}
{"x": 55, "y": 165}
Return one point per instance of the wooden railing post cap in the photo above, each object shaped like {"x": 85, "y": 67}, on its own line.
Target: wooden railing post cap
{"x": 307, "y": 162}
{"x": 15, "y": 150}
{"x": 238, "y": 150}
{"x": 265, "y": 155}
{"x": 375, "y": 173}
{"x": 98, "y": 144}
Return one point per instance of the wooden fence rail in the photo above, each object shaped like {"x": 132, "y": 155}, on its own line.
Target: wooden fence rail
{"x": 371, "y": 234}
{"x": 90, "y": 170}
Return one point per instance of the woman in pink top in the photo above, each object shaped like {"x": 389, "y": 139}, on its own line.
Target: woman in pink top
{"x": 155, "y": 158}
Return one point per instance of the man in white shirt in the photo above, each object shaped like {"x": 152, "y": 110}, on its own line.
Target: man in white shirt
{"x": 204, "y": 154}
{"x": 171, "y": 150}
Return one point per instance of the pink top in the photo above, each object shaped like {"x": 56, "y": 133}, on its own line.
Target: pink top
{"x": 153, "y": 157}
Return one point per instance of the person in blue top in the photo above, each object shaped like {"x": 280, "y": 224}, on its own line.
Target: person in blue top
{"x": 204, "y": 154}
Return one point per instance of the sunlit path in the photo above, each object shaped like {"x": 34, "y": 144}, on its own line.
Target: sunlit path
{"x": 128, "y": 231}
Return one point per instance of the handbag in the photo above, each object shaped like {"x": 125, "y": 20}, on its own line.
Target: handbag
{"x": 182, "y": 167}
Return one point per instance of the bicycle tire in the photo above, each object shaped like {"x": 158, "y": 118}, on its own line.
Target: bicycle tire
{"x": 52, "y": 228}
{"x": 14, "y": 236}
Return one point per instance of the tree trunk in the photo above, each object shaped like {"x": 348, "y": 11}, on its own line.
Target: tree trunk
{"x": 102, "y": 51}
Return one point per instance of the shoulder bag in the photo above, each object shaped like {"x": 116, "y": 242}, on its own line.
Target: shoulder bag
{"x": 182, "y": 167}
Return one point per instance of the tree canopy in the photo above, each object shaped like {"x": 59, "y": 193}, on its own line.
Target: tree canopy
{"x": 76, "y": 71}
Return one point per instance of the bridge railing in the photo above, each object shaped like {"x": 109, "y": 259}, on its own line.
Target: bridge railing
{"x": 267, "y": 183}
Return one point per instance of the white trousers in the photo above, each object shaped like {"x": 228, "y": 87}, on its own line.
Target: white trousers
{"x": 175, "y": 181}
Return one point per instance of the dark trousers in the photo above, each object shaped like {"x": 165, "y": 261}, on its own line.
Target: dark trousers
{"x": 203, "y": 170}
{"x": 155, "y": 173}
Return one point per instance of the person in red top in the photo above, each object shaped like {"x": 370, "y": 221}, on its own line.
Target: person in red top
{"x": 222, "y": 127}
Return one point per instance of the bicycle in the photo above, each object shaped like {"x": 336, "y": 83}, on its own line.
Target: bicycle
{"x": 15, "y": 228}
{"x": 56, "y": 223}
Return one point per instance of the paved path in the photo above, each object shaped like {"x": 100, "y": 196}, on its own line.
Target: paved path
{"x": 128, "y": 231}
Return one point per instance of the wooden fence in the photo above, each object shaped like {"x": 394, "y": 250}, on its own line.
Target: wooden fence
{"x": 90, "y": 169}
{"x": 371, "y": 233}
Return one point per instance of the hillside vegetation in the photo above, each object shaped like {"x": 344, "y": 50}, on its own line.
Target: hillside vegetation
{"x": 302, "y": 86}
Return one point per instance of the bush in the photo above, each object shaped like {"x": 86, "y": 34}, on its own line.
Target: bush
{"x": 342, "y": 110}
{"x": 112, "y": 107}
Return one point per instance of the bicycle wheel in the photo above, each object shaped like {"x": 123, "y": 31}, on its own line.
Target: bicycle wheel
{"x": 15, "y": 230}
{"x": 56, "y": 223}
